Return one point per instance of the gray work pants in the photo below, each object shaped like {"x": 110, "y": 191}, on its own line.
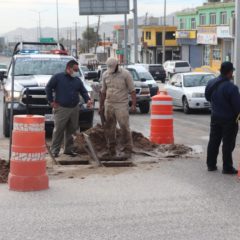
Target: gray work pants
{"x": 66, "y": 123}
{"x": 118, "y": 113}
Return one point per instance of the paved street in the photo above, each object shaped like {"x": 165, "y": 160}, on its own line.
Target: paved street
{"x": 167, "y": 200}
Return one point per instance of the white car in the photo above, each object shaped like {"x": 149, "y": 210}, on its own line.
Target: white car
{"x": 173, "y": 67}
{"x": 188, "y": 90}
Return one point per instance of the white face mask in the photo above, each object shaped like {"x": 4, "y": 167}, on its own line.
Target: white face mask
{"x": 74, "y": 74}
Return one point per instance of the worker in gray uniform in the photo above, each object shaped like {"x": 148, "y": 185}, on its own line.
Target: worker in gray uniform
{"x": 117, "y": 84}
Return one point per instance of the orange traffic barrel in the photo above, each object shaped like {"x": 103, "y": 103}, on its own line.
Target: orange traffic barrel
{"x": 28, "y": 154}
{"x": 162, "y": 119}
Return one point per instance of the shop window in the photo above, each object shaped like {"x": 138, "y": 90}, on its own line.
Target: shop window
{"x": 193, "y": 23}
{"x": 148, "y": 35}
{"x": 202, "y": 19}
{"x": 213, "y": 19}
{"x": 223, "y": 18}
{"x": 216, "y": 53}
{"x": 170, "y": 36}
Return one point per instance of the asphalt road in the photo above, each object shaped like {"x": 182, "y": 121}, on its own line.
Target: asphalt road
{"x": 170, "y": 200}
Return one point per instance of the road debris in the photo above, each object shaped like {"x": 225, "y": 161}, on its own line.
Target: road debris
{"x": 4, "y": 171}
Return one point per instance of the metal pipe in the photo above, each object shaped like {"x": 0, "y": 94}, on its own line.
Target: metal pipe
{"x": 11, "y": 110}
{"x": 237, "y": 43}
{"x": 135, "y": 13}
{"x": 125, "y": 40}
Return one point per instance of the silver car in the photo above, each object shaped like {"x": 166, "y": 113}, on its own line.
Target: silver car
{"x": 188, "y": 90}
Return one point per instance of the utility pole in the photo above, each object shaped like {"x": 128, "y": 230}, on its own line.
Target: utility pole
{"x": 76, "y": 35}
{"x": 164, "y": 33}
{"x": 125, "y": 40}
{"x": 88, "y": 43}
{"x": 237, "y": 43}
{"x": 135, "y": 13}
{"x": 40, "y": 29}
{"x": 98, "y": 26}
{"x": 70, "y": 41}
{"x": 57, "y": 21}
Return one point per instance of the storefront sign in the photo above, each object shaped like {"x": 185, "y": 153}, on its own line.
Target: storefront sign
{"x": 186, "y": 34}
{"x": 207, "y": 35}
{"x": 182, "y": 34}
{"x": 223, "y": 32}
{"x": 208, "y": 39}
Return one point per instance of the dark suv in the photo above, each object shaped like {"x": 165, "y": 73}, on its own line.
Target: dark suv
{"x": 157, "y": 72}
{"x": 141, "y": 88}
{"x": 33, "y": 69}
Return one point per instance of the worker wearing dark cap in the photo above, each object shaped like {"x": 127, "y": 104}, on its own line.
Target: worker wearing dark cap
{"x": 225, "y": 101}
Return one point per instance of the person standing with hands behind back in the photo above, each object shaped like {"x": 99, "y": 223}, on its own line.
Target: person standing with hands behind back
{"x": 66, "y": 87}
{"x": 225, "y": 101}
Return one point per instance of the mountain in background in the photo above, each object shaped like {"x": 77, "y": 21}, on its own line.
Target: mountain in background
{"x": 32, "y": 34}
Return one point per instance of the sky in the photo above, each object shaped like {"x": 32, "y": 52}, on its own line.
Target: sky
{"x": 23, "y": 13}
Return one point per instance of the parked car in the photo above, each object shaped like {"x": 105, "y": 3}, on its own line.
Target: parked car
{"x": 188, "y": 90}
{"x": 33, "y": 70}
{"x": 142, "y": 90}
{"x": 157, "y": 71}
{"x": 145, "y": 76}
{"x": 89, "y": 75}
{"x": 173, "y": 67}
{"x": 3, "y": 70}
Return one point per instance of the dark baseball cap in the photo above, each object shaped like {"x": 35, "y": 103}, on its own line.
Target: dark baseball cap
{"x": 226, "y": 67}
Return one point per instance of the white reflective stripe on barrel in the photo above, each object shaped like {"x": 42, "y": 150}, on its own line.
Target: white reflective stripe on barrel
{"x": 162, "y": 103}
{"x": 165, "y": 117}
{"x": 26, "y": 127}
{"x": 28, "y": 156}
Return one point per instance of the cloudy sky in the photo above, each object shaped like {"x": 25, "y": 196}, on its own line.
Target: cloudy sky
{"x": 22, "y": 13}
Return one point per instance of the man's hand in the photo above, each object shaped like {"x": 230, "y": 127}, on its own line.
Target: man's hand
{"x": 89, "y": 104}
{"x": 133, "y": 109}
{"x": 54, "y": 105}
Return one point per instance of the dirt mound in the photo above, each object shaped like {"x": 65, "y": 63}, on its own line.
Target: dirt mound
{"x": 140, "y": 142}
{"x": 4, "y": 171}
{"x": 175, "y": 149}
{"x": 98, "y": 140}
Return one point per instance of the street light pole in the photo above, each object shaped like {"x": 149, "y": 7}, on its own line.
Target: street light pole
{"x": 57, "y": 21}
{"x": 135, "y": 13}
{"x": 237, "y": 43}
{"x": 164, "y": 33}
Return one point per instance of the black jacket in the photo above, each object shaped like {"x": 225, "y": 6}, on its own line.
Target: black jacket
{"x": 224, "y": 97}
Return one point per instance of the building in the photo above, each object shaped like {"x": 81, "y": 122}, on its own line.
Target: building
{"x": 206, "y": 33}
{"x": 152, "y": 43}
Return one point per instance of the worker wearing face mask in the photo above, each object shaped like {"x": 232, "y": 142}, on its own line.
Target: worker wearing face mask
{"x": 63, "y": 95}
{"x": 117, "y": 84}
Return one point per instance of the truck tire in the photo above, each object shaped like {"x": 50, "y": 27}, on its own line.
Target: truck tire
{"x": 6, "y": 123}
{"x": 144, "y": 107}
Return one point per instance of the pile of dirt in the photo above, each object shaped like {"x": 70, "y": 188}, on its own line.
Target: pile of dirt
{"x": 175, "y": 149}
{"x": 4, "y": 171}
{"x": 140, "y": 142}
{"x": 98, "y": 140}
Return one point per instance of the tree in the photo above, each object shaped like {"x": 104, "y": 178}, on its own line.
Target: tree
{"x": 90, "y": 38}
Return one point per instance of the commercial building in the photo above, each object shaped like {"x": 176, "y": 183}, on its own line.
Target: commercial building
{"x": 152, "y": 41}
{"x": 206, "y": 33}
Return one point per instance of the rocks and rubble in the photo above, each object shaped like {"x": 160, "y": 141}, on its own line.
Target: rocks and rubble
{"x": 4, "y": 171}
